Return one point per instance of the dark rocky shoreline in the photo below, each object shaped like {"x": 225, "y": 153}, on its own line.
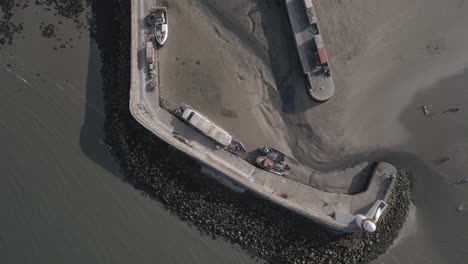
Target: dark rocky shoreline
{"x": 8, "y": 28}
{"x": 68, "y": 11}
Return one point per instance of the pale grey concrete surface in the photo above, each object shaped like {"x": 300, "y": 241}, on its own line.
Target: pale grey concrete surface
{"x": 321, "y": 88}
{"x": 317, "y": 205}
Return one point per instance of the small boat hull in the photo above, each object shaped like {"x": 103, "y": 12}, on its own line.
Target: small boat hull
{"x": 161, "y": 36}
{"x": 236, "y": 147}
{"x": 161, "y": 24}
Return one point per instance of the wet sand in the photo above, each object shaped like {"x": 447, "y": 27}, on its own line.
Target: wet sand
{"x": 397, "y": 57}
{"x": 211, "y": 68}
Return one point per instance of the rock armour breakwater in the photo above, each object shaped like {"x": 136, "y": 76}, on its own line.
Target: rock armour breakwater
{"x": 265, "y": 231}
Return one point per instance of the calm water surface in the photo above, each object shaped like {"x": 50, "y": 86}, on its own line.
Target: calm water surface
{"x": 62, "y": 199}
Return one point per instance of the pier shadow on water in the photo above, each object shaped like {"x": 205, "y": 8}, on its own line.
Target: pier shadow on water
{"x": 95, "y": 147}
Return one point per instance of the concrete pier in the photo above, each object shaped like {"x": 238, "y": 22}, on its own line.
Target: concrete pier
{"x": 334, "y": 210}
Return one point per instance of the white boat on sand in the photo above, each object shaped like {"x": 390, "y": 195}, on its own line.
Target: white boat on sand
{"x": 160, "y": 25}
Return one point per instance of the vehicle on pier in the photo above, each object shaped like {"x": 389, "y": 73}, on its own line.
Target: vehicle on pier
{"x": 210, "y": 129}
{"x": 272, "y": 153}
{"x": 322, "y": 56}
{"x": 160, "y": 24}
{"x": 149, "y": 52}
{"x": 272, "y": 166}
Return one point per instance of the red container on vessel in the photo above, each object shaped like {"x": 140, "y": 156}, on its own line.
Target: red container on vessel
{"x": 321, "y": 49}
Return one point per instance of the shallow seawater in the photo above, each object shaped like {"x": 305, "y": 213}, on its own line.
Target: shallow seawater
{"x": 62, "y": 197}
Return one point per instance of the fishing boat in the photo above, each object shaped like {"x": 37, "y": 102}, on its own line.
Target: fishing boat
{"x": 273, "y": 166}
{"x": 207, "y": 127}
{"x": 272, "y": 153}
{"x": 236, "y": 147}
{"x": 160, "y": 25}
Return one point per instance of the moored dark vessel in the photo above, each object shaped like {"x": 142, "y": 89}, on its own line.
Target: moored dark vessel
{"x": 273, "y": 166}
{"x": 273, "y": 154}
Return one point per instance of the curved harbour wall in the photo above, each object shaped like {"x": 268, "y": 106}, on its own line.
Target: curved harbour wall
{"x": 262, "y": 229}
{"x": 335, "y": 211}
